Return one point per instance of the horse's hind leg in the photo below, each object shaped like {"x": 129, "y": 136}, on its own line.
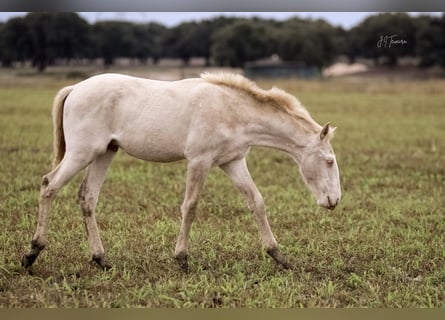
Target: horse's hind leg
{"x": 51, "y": 184}
{"x": 88, "y": 197}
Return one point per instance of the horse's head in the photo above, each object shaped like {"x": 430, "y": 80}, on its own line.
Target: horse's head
{"x": 319, "y": 169}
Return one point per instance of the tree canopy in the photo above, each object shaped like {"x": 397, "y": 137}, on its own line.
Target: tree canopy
{"x": 47, "y": 38}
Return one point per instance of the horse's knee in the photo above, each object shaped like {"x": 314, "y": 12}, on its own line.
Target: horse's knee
{"x": 256, "y": 204}
{"x": 188, "y": 209}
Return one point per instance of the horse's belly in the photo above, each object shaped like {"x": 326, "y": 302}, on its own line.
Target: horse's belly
{"x": 157, "y": 132}
{"x": 155, "y": 154}
{"x": 153, "y": 147}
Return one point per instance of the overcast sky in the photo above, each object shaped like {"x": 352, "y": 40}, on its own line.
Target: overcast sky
{"x": 346, "y": 19}
{"x": 169, "y": 19}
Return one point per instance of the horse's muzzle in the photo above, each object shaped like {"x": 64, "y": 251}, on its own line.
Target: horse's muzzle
{"x": 332, "y": 204}
{"x": 329, "y": 203}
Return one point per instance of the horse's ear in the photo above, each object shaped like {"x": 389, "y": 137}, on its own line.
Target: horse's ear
{"x": 325, "y": 131}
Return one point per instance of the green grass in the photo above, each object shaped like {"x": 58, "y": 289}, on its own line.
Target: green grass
{"x": 382, "y": 247}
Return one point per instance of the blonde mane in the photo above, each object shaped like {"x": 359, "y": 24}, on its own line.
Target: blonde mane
{"x": 275, "y": 97}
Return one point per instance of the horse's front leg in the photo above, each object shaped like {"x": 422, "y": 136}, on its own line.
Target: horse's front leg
{"x": 196, "y": 174}
{"x": 237, "y": 170}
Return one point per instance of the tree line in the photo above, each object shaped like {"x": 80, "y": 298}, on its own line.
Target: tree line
{"x": 47, "y": 38}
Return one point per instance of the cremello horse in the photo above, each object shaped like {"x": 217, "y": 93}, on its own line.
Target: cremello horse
{"x": 210, "y": 121}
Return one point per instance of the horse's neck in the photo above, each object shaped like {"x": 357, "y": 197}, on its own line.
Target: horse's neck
{"x": 278, "y": 132}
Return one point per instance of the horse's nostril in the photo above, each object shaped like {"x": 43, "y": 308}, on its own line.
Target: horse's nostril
{"x": 332, "y": 204}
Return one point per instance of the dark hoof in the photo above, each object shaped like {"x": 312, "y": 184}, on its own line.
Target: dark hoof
{"x": 28, "y": 260}
{"x": 182, "y": 262}
{"x": 276, "y": 255}
{"x": 102, "y": 262}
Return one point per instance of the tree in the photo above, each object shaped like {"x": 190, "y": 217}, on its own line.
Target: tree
{"x": 185, "y": 41}
{"x": 72, "y": 35}
{"x": 352, "y": 45}
{"x": 14, "y": 41}
{"x": 205, "y": 34}
{"x": 192, "y": 39}
{"x": 201, "y": 37}
{"x": 313, "y": 42}
{"x": 240, "y": 42}
{"x": 42, "y": 38}
{"x": 114, "y": 39}
{"x": 148, "y": 39}
{"x": 386, "y": 35}
{"x": 431, "y": 41}
{"x": 176, "y": 42}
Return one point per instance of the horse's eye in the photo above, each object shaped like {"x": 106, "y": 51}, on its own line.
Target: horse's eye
{"x": 330, "y": 162}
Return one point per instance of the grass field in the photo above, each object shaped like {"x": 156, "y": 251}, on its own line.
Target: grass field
{"x": 384, "y": 245}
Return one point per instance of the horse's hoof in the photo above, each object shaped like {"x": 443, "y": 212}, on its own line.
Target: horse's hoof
{"x": 278, "y": 257}
{"x": 102, "y": 262}
{"x": 28, "y": 260}
{"x": 182, "y": 261}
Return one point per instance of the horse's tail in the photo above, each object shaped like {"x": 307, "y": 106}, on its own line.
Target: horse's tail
{"x": 59, "y": 138}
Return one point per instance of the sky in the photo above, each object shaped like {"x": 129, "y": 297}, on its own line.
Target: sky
{"x": 345, "y": 19}
{"x": 169, "y": 19}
